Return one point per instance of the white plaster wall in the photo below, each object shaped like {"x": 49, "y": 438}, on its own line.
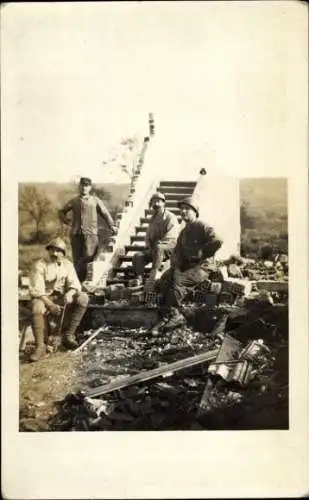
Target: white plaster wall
{"x": 218, "y": 198}
{"x": 216, "y": 193}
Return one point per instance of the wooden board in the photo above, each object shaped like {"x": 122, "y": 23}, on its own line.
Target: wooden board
{"x": 151, "y": 374}
{"x": 271, "y": 285}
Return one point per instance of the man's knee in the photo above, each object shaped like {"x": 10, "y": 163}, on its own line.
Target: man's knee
{"x": 138, "y": 262}
{"x": 138, "y": 256}
{"x": 81, "y": 299}
{"x": 91, "y": 246}
{"x": 38, "y": 306}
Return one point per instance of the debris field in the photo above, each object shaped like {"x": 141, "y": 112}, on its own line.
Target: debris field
{"x": 226, "y": 369}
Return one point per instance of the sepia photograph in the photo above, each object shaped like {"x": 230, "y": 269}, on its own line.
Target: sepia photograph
{"x": 152, "y": 156}
{"x": 144, "y": 307}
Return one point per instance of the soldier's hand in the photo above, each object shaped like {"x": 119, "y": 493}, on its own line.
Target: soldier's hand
{"x": 114, "y": 230}
{"x": 68, "y": 297}
{"x": 197, "y": 256}
{"x": 55, "y": 309}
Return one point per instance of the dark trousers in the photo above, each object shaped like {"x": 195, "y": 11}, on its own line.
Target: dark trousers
{"x": 85, "y": 248}
{"x": 175, "y": 284}
{"x": 157, "y": 256}
{"x": 73, "y": 315}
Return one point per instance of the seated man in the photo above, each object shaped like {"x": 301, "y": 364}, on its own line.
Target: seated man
{"x": 53, "y": 282}
{"x": 196, "y": 243}
{"x": 161, "y": 237}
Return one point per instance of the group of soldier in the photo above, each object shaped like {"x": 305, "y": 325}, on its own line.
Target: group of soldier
{"x": 56, "y": 282}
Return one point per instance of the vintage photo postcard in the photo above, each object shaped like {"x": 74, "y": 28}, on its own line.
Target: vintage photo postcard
{"x": 154, "y": 250}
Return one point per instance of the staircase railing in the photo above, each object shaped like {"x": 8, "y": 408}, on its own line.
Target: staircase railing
{"x": 141, "y": 188}
{"x": 130, "y": 220}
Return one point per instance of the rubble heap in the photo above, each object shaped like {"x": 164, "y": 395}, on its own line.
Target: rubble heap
{"x": 245, "y": 386}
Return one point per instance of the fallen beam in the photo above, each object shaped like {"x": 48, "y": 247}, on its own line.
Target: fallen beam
{"x": 92, "y": 336}
{"x": 151, "y": 374}
{"x": 271, "y": 285}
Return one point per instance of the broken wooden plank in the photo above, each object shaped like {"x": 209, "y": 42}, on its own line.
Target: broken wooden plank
{"x": 151, "y": 374}
{"x": 204, "y": 405}
{"x": 219, "y": 328}
{"x": 228, "y": 354}
{"x": 271, "y": 285}
{"x": 230, "y": 349}
{"x": 92, "y": 336}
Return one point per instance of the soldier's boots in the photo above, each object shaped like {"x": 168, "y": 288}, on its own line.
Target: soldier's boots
{"x": 69, "y": 341}
{"x": 38, "y": 353}
{"x": 155, "y": 331}
{"x": 169, "y": 321}
{"x": 176, "y": 319}
{"x": 38, "y": 326}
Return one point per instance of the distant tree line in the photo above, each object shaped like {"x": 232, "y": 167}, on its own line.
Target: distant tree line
{"x": 263, "y": 234}
{"x": 38, "y": 216}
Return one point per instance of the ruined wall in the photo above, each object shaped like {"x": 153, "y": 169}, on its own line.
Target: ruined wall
{"x": 219, "y": 200}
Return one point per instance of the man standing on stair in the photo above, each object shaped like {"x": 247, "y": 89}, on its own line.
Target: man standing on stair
{"x": 161, "y": 237}
{"x": 54, "y": 283}
{"x": 196, "y": 243}
{"x": 85, "y": 209}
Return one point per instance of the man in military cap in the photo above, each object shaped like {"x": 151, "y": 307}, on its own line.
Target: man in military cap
{"x": 85, "y": 210}
{"x": 54, "y": 283}
{"x": 161, "y": 236}
{"x": 196, "y": 243}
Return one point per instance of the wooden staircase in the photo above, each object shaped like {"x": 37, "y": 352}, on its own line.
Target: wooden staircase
{"x": 174, "y": 191}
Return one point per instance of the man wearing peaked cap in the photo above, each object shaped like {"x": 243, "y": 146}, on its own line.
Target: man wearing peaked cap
{"x": 161, "y": 236}
{"x": 196, "y": 243}
{"x": 54, "y": 283}
{"x": 85, "y": 209}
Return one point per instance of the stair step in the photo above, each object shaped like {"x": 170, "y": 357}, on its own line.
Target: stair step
{"x": 129, "y": 270}
{"x": 116, "y": 281}
{"x": 141, "y": 229}
{"x": 126, "y": 258}
{"x": 177, "y": 184}
{"x": 177, "y": 196}
{"x": 137, "y": 238}
{"x": 171, "y": 204}
{"x": 170, "y": 191}
{"x": 174, "y": 210}
{"x": 125, "y": 265}
{"x": 135, "y": 248}
{"x": 146, "y": 220}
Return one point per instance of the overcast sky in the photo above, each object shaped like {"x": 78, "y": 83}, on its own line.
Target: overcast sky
{"x": 226, "y": 78}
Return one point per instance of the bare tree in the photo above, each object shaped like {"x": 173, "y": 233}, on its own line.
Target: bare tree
{"x": 35, "y": 206}
{"x": 124, "y": 156}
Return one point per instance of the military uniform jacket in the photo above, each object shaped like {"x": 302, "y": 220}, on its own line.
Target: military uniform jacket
{"x": 85, "y": 210}
{"x": 196, "y": 243}
{"x": 47, "y": 278}
{"x": 163, "y": 228}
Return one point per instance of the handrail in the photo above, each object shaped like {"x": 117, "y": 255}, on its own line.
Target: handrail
{"x": 131, "y": 217}
{"x": 140, "y": 192}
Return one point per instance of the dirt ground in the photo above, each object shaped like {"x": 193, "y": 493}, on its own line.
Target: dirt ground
{"x": 41, "y": 385}
{"x": 115, "y": 353}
